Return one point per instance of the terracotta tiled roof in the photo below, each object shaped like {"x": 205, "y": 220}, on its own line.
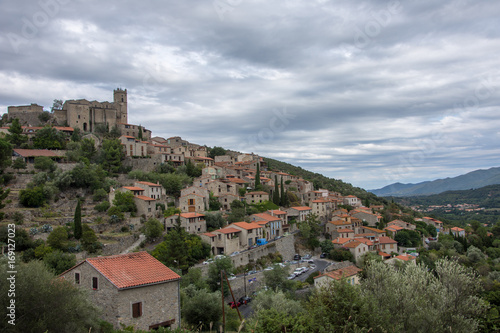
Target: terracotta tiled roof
{"x": 405, "y": 257}
{"x": 209, "y": 234}
{"x": 365, "y": 241}
{"x": 340, "y": 222}
{"x": 145, "y": 198}
{"x": 237, "y": 180}
{"x": 340, "y": 240}
{"x": 267, "y": 217}
{"x": 343, "y": 272}
{"x": 277, "y": 212}
{"x": 374, "y": 230}
{"x": 383, "y": 254}
{"x": 345, "y": 230}
{"x": 133, "y": 188}
{"x": 386, "y": 240}
{"x": 35, "y": 152}
{"x": 353, "y": 244}
{"x": 246, "y": 225}
{"x": 191, "y": 215}
{"x": 457, "y": 229}
{"x": 302, "y": 208}
{"x": 228, "y": 230}
{"x": 132, "y": 270}
{"x": 149, "y": 184}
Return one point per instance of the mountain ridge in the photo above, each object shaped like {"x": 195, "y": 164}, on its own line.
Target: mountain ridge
{"x": 471, "y": 180}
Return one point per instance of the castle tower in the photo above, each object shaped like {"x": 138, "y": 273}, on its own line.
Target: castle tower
{"x": 120, "y": 101}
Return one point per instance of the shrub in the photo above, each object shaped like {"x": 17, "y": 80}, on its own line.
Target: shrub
{"x": 33, "y": 197}
{"x": 103, "y": 206}
{"x": 99, "y": 194}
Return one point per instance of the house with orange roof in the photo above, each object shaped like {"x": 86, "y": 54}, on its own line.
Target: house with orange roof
{"x": 322, "y": 207}
{"x": 340, "y": 242}
{"x": 357, "y": 248}
{"x": 349, "y": 273}
{"x": 457, "y": 232}
{"x": 256, "y": 197}
{"x": 193, "y": 223}
{"x": 332, "y": 227}
{"x": 368, "y": 217}
{"x": 404, "y": 258}
{"x": 392, "y": 230}
{"x": 249, "y": 234}
{"x": 223, "y": 241}
{"x": 152, "y": 190}
{"x": 402, "y": 224}
{"x": 370, "y": 230}
{"x": 352, "y": 200}
{"x": 145, "y": 204}
{"x": 432, "y": 221}
{"x": 273, "y": 225}
{"x": 298, "y": 213}
{"x": 132, "y": 289}
{"x": 29, "y": 155}
{"x": 386, "y": 244}
{"x": 222, "y": 186}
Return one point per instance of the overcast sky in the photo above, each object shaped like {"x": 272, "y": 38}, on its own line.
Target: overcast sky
{"x": 370, "y": 92}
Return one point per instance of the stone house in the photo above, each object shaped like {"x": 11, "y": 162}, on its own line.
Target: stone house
{"x": 131, "y": 289}
{"x": 352, "y": 200}
{"x": 29, "y": 155}
{"x": 432, "y": 221}
{"x": 256, "y": 197}
{"x": 403, "y": 224}
{"x": 226, "y": 199}
{"x": 299, "y": 213}
{"x": 273, "y": 225}
{"x": 133, "y": 130}
{"x": 175, "y": 159}
{"x": 350, "y": 273}
{"x": 214, "y": 172}
{"x": 377, "y": 232}
{"x": 152, "y": 190}
{"x": 156, "y": 149}
{"x": 370, "y": 218}
{"x": 321, "y": 207}
{"x": 386, "y": 244}
{"x": 312, "y": 195}
{"x": 357, "y": 248}
{"x": 249, "y": 234}
{"x": 193, "y": 202}
{"x": 218, "y": 187}
{"x": 201, "y": 191}
{"x": 193, "y": 223}
{"x": 457, "y": 232}
{"x": 223, "y": 241}
{"x": 133, "y": 147}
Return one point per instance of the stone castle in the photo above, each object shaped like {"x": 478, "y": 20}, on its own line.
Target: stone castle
{"x": 80, "y": 113}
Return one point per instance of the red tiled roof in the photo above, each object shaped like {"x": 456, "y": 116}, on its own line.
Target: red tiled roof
{"x": 302, "y": 208}
{"x": 405, "y": 257}
{"x": 132, "y": 270}
{"x": 35, "y": 152}
{"x": 386, "y": 240}
{"x": 277, "y": 212}
{"x": 345, "y": 230}
{"x": 246, "y": 225}
{"x": 353, "y": 244}
{"x": 228, "y": 230}
{"x": 340, "y": 240}
{"x": 191, "y": 215}
{"x": 383, "y": 254}
{"x": 258, "y": 193}
{"x": 145, "y": 198}
{"x": 267, "y": 217}
{"x": 343, "y": 272}
{"x": 133, "y": 188}
{"x": 149, "y": 184}
{"x": 209, "y": 234}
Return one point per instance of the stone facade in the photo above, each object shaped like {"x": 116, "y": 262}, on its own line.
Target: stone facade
{"x": 160, "y": 302}
{"x": 27, "y": 114}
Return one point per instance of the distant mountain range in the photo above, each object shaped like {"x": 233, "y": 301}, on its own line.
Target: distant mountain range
{"x": 471, "y": 180}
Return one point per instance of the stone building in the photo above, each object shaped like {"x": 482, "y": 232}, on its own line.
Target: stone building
{"x": 86, "y": 115}
{"x": 27, "y": 114}
{"x": 131, "y": 289}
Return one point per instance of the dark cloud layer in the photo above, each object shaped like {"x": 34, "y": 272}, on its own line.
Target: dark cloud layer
{"x": 372, "y": 92}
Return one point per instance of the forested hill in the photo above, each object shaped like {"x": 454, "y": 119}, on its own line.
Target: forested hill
{"x": 321, "y": 181}
{"x": 487, "y": 197}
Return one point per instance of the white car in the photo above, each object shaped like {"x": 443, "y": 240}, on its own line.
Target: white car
{"x": 291, "y": 276}
{"x": 209, "y": 261}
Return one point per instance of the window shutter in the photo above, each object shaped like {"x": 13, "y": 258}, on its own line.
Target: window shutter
{"x": 137, "y": 309}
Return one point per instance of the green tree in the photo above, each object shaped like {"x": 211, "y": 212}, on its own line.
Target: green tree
{"x": 125, "y": 201}
{"x": 32, "y": 197}
{"x": 139, "y": 135}
{"x": 214, "y": 221}
{"x": 76, "y": 136}
{"x": 276, "y": 193}
{"x": 16, "y": 136}
{"x": 214, "y": 271}
{"x": 111, "y": 155}
{"x": 5, "y": 154}
{"x": 19, "y": 163}
{"x": 45, "y": 163}
{"x": 201, "y": 308}
{"x": 408, "y": 238}
{"x": 87, "y": 149}
{"x": 46, "y": 304}
{"x": 283, "y": 194}
{"x": 58, "y": 239}
{"x": 213, "y": 202}
{"x": 57, "y": 105}
{"x": 44, "y": 116}
{"x": 78, "y": 221}
{"x": 216, "y": 151}
{"x": 89, "y": 240}
{"x": 276, "y": 279}
{"x": 258, "y": 186}
{"x": 153, "y": 229}
{"x": 172, "y": 251}
{"x": 49, "y": 138}
{"x": 59, "y": 262}
{"x": 310, "y": 229}
{"x": 195, "y": 278}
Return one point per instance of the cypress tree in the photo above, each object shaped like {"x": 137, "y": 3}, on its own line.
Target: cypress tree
{"x": 78, "y": 221}
{"x": 276, "y": 194}
{"x": 257, "y": 178}
{"x": 282, "y": 199}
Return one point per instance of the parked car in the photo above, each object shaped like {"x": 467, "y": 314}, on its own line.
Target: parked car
{"x": 307, "y": 256}
{"x": 234, "y": 253}
{"x": 245, "y": 300}
{"x": 322, "y": 255}
{"x": 269, "y": 268}
{"x": 251, "y": 272}
{"x": 310, "y": 261}
{"x": 234, "y": 305}
{"x": 296, "y": 257}
{"x": 208, "y": 261}
{"x": 291, "y": 276}
{"x": 231, "y": 277}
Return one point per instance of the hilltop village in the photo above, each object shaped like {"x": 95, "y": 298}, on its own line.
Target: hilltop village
{"x": 110, "y": 198}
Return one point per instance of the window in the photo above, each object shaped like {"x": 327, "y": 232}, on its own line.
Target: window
{"x": 137, "y": 309}
{"x": 191, "y": 202}
{"x": 95, "y": 283}
{"x": 77, "y": 278}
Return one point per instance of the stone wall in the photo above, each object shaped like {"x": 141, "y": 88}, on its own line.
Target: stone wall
{"x": 123, "y": 243}
{"x": 144, "y": 164}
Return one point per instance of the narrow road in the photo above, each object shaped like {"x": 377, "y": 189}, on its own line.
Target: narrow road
{"x": 136, "y": 244}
